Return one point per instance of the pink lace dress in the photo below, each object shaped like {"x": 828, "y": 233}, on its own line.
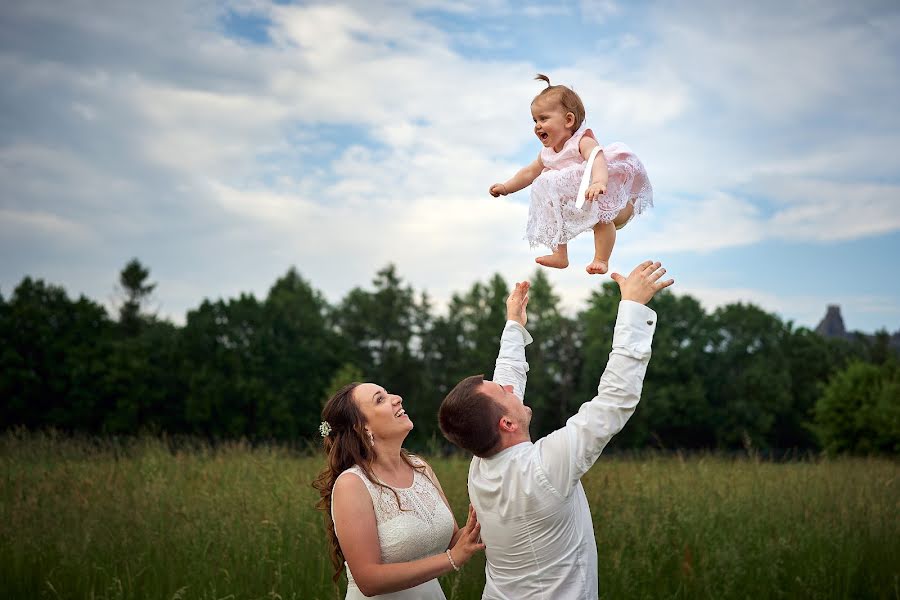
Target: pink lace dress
{"x": 554, "y": 218}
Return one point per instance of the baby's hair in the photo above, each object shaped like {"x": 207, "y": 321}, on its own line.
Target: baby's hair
{"x": 566, "y": 96}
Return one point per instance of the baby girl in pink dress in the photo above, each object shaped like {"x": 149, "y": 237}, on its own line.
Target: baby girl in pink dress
{"x": 619, "y": 187}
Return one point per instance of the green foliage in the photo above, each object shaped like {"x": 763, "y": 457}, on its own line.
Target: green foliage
{"x": 54, "y": 353}
{"x": 675, "y": 410}
{"x": 136, "y": 290}
{"x": 260, "y": 369}
{"x": 859, "y": 411}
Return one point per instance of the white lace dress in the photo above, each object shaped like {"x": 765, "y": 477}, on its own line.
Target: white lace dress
{"x": 554, "y": 218}
{"x": 423, "y": 528}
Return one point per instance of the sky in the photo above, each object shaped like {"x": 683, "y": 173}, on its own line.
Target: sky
{"x": 222, "y": 143}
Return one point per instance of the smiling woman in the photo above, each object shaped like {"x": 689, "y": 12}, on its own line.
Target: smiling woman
{"x": 386, "y": 516}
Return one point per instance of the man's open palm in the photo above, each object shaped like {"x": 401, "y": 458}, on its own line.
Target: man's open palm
{"x": 516, "y": 303}
{"x": 643, "y": 282}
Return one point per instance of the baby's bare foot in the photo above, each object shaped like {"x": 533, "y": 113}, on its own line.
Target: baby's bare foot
{"x": 597, "y": 267}
{"x": 556, "y": 261}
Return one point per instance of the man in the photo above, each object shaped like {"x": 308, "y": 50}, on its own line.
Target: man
{"x": 534, "y": 515}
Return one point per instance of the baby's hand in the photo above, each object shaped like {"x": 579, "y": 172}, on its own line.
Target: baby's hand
{"x": 498, "y": 189}
{"x": 595, "y": 190}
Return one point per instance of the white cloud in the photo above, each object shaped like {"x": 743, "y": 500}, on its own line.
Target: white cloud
{"x": 32, "y": 225}
{"x": 716, "y": 221}
{"x": 152, "y": 120}
{"x": 820, "y": 210}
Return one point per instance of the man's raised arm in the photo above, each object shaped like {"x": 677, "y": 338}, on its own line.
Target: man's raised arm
{"x": 512, "y": 368}
{"x": 569, "y": 452}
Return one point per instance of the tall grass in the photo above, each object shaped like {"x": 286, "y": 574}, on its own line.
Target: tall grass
{"x": 88, "y": 519}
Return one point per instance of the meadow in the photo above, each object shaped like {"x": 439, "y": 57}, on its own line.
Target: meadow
{"x": 148, "y": 519}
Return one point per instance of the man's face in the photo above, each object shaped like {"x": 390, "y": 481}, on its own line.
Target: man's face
{"x": 513, "y": 408}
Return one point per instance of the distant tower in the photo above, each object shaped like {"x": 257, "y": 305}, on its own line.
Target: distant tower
{"x": 833, "y": 324}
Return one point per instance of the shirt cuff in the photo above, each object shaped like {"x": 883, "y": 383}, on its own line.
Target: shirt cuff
{"x": 514, "y": 327}
{"x": 635, "y": 326}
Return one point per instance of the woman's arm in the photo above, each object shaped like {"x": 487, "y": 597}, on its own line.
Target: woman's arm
{"x": 520, "y": 180}
{"x": 357, "y": 531}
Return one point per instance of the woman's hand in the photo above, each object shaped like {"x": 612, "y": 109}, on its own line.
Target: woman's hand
{"x": 595, "y": 190}
{"x": 498, "y": 189}
{"x": 469, "y": 540}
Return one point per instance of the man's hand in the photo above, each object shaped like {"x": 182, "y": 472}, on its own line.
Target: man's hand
{"x": 642, "y": 283}
{"x": 516, "y": 303}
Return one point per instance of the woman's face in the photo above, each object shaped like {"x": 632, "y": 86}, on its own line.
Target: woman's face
{"x": 383, "y": 411}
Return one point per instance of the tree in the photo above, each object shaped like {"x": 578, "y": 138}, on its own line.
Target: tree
{"x": 53, "y": 355}
{"x": 554, "y": 359}
{"x": 299, "y": 353}
{"x": 132, "y": 280}
{"x": 749, "y": 381}
{"x": 675, "y": 410}
{"x": 383, "y": 329}
{"x": 221, "y": 367}
{"x": 142, "y": 374}
{"x": 859, "y": 411}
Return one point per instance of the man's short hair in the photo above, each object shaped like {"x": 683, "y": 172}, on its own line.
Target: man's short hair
{"x": 468, "y": 417}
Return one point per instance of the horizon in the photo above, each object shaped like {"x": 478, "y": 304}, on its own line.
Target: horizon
{"x": 110, "y": 305}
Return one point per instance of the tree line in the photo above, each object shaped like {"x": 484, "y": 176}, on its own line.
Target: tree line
{"x": 734, "y": 378}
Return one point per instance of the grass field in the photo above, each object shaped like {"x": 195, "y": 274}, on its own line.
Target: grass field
{"x": 83, "y": 519}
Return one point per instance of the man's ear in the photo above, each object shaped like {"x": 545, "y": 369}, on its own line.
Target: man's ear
{"x": 508, "y": 425}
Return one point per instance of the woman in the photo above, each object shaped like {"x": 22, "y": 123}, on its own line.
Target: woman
{"x": 387, "y": 518}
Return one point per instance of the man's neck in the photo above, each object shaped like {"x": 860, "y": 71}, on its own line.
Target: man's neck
{"x": 510, "y": 440}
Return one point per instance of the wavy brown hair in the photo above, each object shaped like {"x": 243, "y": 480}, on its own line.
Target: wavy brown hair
{"x": 345, "y": 446}
{"x": 567, "y": 97}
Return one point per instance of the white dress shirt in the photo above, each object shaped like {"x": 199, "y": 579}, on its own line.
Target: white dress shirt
{"x": 534, "y": 515}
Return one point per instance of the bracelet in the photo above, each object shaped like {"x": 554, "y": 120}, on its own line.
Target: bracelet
{"x": 452, "y": 562}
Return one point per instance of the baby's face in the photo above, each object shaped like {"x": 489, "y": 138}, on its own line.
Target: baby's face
{"x": 552, "y": 124}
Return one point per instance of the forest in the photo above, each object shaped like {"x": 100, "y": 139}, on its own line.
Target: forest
{"x": 734, "y": 379}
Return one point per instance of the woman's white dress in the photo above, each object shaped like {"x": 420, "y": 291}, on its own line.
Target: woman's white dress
{"x": 423, "y": 528}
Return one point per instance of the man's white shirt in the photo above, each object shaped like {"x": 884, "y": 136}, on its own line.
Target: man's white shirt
{"x": 534, "y": 515}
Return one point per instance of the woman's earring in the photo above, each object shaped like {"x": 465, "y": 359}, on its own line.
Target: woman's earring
{"x": 371, "y": 439}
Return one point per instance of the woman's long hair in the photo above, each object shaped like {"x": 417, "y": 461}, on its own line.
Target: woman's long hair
{"x": 345, "y": 446}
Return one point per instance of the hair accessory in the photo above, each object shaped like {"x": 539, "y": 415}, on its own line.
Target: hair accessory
{"x": 324, "y": 429}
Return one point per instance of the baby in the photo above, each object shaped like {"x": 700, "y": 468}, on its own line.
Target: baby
{"x": 619, "y": 187}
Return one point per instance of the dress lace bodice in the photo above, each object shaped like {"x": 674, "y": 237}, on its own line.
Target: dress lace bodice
{"x": 420, "y": 527}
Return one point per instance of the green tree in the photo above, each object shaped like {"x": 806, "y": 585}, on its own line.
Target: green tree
{"x": 143, "y": 378}
{"x": 554, "y": 359}
{"x": 222, "y": 366}
{"x": 383, "y": 329}
{"x": 675, "y": 410}
{"x": 260, "y": 369}
{"x": 142, "y": 375}
{"x": 749, "y": 381}
{"x": 465, "y": 340}
{"x": 859, "y": 411}
{"x": 298, "y": 355}
{"x": 54, "y": 353}
{"x": 136, "y": 291}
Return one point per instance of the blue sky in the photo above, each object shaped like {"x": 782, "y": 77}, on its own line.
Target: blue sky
{"x": 223, "y": 142}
